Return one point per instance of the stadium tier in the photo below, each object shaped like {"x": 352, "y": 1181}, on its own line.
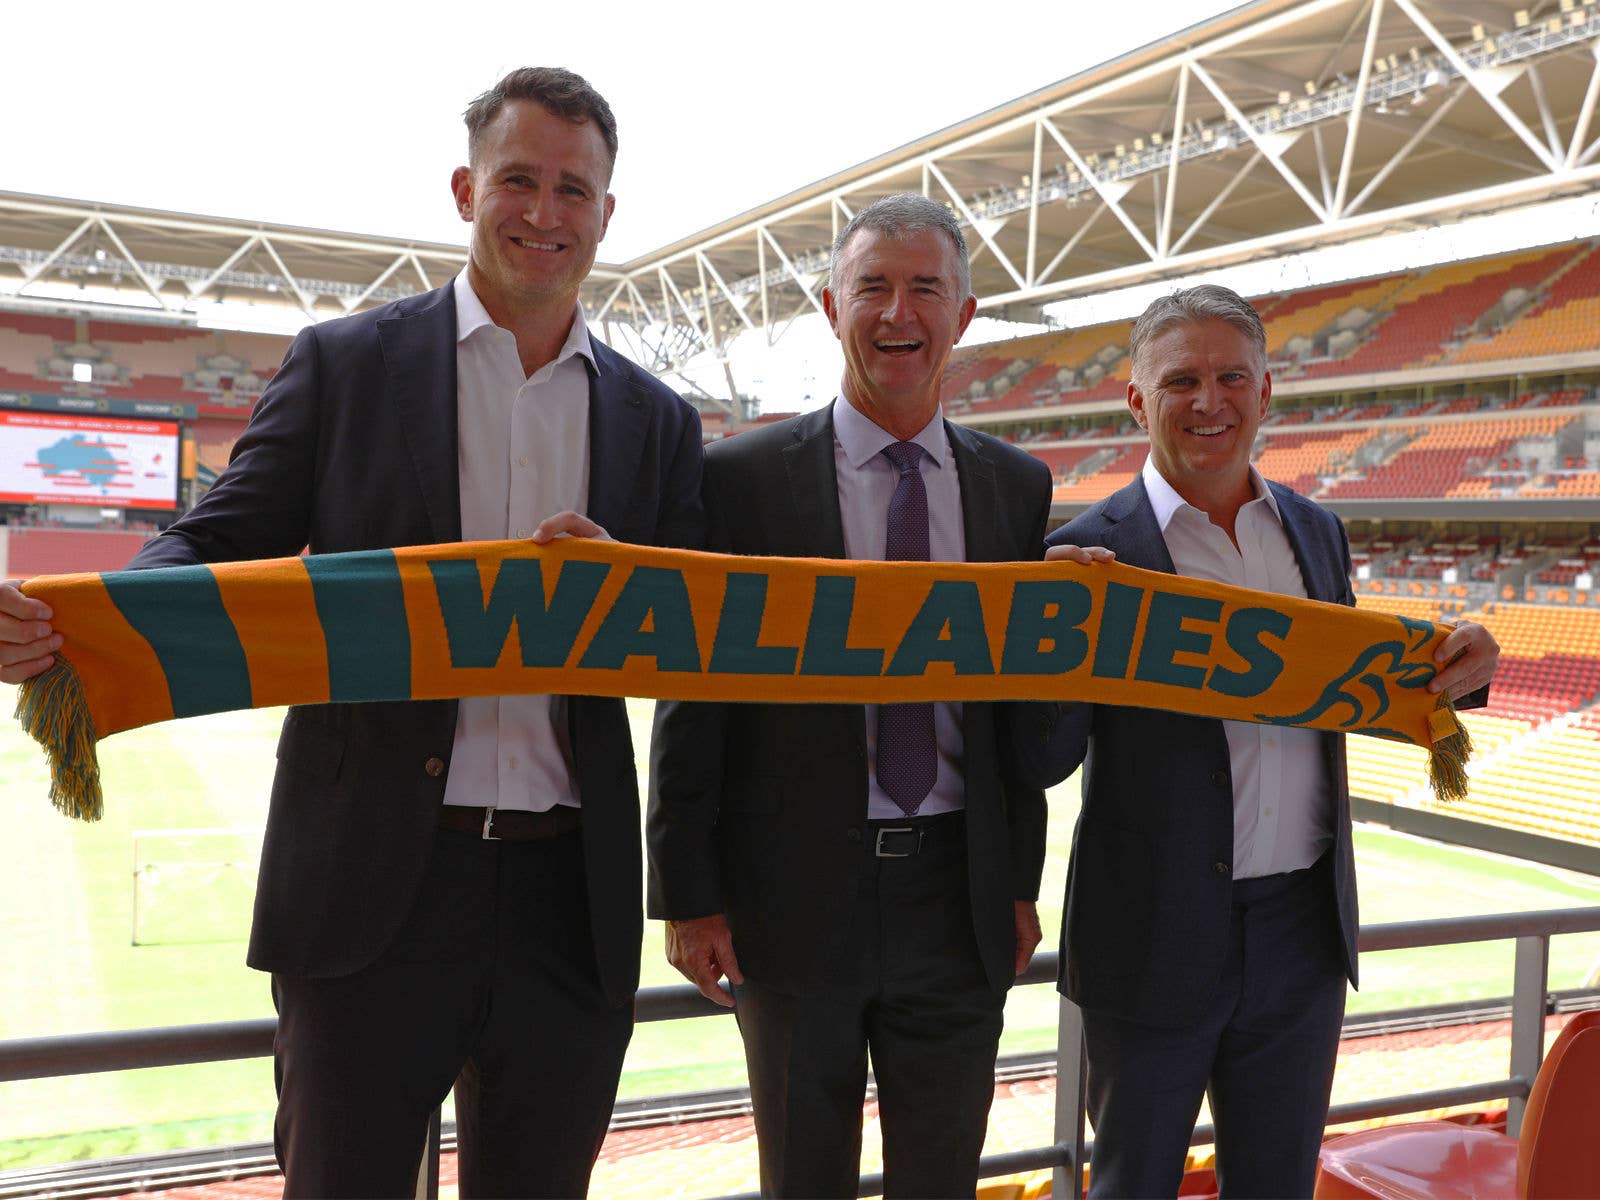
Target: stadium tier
{"x": 89, "y": 358}
{"x": 1537, "y": 744}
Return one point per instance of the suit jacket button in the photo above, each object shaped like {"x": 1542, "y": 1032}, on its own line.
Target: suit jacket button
{"x": 1222, "y": 868}
{"x": 434, "y": 767}
{"x": 1219, "y": 777}
{"x": 853, "y": 834}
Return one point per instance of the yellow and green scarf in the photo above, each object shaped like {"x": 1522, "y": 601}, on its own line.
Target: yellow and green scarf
{"x": 605, "y": 619}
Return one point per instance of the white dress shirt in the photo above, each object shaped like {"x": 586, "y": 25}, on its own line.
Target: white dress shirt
{"x": 523, "y": 454}
{"x": 1282, "y": 803}
{"x": 867, "y": 481}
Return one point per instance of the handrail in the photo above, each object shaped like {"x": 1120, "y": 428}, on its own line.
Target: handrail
{"x": 78, "y": 1054}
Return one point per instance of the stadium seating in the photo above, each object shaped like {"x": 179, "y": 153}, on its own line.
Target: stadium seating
{"x": 1563, "y": 322}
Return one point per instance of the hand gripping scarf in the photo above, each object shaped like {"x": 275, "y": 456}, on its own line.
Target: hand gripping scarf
{"x": 605, "y": 619}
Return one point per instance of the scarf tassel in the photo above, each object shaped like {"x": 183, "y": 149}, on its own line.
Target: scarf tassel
{"x": 1448, "y": 755}
{"x": 54, "y": 710}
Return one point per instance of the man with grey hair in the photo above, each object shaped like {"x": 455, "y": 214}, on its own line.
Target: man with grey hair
{"x": 1211, "y": 900}
{"x": 864, "y": 876}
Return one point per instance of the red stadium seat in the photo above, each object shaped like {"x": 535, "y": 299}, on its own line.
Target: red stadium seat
{"x": 1557, "y": 1156}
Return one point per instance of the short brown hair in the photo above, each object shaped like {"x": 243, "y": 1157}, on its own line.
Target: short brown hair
{"x": 562, "y": 92}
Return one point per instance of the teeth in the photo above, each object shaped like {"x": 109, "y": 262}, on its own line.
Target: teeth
{"x": 524, "y": 242}
{"x": 897, "y": 345}
{"x": 1208, "y": 430}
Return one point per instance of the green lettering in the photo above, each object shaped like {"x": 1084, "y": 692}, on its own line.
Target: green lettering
{"x": 1243, "y": 631}
{"x": 826, "y": 652}
{"x": 1031, "y": 624}
{"x": 477, "y": 631}
{"x": 737, "y": 650}
{"x": 951, "y": 605}
{"x": 1165, "y": 637}
{"x": 655, "y": 596}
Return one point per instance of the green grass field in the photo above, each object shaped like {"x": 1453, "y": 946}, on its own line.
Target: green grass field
{"x": 67, "y": 914}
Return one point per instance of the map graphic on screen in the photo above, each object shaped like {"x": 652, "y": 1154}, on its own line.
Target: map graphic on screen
{"x": 82, "y": 460}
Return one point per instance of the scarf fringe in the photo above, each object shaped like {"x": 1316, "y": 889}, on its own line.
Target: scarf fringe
{"x": 54, "y": 710}
{"x": 1447, "y": 757}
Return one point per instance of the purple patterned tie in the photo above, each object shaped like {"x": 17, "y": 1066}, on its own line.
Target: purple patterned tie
{"x": 908, "y": 759}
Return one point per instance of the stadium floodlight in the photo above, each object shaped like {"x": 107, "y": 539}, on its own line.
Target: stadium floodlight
{"x": 1520, "y": 17}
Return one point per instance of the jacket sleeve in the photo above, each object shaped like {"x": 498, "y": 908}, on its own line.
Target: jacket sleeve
{"x": 1027, "y": 814}
{"x": 686, "y": 774}
{"x": 260, "y": 507}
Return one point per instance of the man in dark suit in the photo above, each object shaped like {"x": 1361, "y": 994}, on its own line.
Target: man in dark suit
{"x": 1211, "y": 921}
{"x": 864, "y": 877}
{"x": 454, "y": 889}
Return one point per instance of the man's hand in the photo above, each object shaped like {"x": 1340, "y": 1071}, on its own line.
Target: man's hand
{"x": 568, "y": 524}
{"x": 1466, "y": 659}
{"x": 27, "y": 643}
{"x": 1079, "y": 554}
{"x": 1028, "y": 931}
{"x": 703, "y": 950}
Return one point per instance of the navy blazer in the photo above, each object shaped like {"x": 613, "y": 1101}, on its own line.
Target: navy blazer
{"x": 757, "y": 811}
{"x": 353, "y": 447}
{"x": 1149, "y": 884}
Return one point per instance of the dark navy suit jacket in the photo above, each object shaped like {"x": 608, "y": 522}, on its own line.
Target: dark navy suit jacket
{"x": 353, "y": 447}
{"x": 1149, "y": 885}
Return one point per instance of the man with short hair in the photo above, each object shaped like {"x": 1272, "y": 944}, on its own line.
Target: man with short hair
{"x": 863, "y": 876}
{"x": 1211, "y": 900}
{"x": 450, "y": 892}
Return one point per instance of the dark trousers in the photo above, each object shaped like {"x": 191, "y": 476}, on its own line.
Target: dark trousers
{"x": 1264, "y": 1053}
{"x": 908, "y": 988}
{"x": 491, "y": 986}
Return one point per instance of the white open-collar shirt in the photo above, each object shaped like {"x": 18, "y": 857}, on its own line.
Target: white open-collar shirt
{"x": 1282, "y": 801}
{"x": 523, "y": 455}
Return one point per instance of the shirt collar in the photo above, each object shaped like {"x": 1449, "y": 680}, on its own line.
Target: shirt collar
{"x": 1165, "y": 501}
{"x": 862, "y": 439}
{"x": 472, "y": 316}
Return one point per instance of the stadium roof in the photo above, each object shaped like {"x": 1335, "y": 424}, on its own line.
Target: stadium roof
{"x": 1275, "y": 126}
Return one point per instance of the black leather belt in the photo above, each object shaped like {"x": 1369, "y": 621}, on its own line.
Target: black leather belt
{"x": 510, "y": 824}
{"x": 913, "y": 835}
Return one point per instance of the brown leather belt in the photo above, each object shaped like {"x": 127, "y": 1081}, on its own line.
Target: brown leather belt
{"x": 510, "y": 824}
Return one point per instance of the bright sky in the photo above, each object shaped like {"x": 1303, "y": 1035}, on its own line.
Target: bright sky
{"x": 346, "y": 115}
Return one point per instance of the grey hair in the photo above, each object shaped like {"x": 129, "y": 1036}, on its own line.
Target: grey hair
{"x": 1191, "y": 306}
{"x": 901, "y": 215}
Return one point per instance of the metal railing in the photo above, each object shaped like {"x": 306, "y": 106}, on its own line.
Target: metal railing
{"x": 1530, "y": 1002}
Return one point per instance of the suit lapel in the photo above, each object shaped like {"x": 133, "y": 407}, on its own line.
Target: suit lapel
{"x": 1319, "y": 563}
{"x": 419, "y": 356}
{"x": 979, "y": 495}
{"x": 814, "y": 486}
{"x": 619, "y": 421}
{"x": 1133, "y": 531}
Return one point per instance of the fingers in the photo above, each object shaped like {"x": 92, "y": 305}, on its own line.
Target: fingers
{"x": 702, "y": 950}
{"x": 27, "y": 642}
{"x": 1467, "y": 659}
{"x": 1029, "y": 933}
{"x": 1079, "y": 554}
{"x": 568, "y": 524}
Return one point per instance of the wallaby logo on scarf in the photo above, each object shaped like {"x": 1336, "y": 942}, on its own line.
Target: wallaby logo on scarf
{"x": 1364, "y": 687}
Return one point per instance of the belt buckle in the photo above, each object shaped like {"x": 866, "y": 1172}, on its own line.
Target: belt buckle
{"x": 489, "y": 834}
{"x": 880, "y": 852}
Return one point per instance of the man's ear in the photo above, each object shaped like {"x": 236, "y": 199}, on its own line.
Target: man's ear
{"x": 607, "y": 208}
{"x": 969, "y": 308}
{"x": 831, "y": 307}
{"x": 461, "y": 189}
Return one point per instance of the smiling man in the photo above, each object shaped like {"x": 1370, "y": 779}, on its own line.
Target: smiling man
{"x": 450, "y": 893}
{"x": 1211, "y": 899}
{"x": 864, "y": 877}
